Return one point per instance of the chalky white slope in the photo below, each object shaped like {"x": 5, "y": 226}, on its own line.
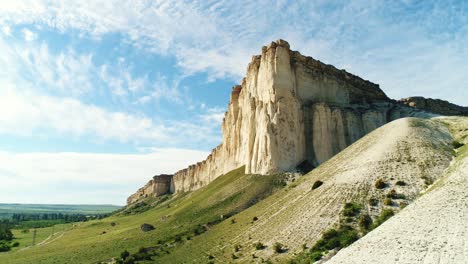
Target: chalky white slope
{"x": 434, "y": 229}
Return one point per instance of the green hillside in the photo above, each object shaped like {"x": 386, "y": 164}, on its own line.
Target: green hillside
{"x": 242, "y": 218}
{"x": 177, "y": 220}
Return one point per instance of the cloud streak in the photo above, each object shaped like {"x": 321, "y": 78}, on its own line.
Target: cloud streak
{"x": 386, "y": 42}
{"x": 84, "y": 177}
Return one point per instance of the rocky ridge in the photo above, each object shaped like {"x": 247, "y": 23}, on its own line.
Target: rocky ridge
{"x": 290, "y": 109}
{"x": 435, "y": 106}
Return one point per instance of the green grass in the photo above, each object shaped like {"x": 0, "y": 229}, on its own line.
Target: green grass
{"x": 178, "y": 221}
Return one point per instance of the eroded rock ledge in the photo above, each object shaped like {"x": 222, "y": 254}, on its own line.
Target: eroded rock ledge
{"x": 288, "y": 110}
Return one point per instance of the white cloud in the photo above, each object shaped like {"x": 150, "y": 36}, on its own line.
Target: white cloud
{"x": 6, "y": 30}
{"x": 30, "y": 114}
{"x": 163, "y": 88}
{"x": 380, "y": 40}
{"x": 29, "y": 35}
{"x": 85, "y": 177}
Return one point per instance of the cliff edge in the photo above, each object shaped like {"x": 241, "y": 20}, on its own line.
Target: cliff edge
{"x": 290, "y": 109}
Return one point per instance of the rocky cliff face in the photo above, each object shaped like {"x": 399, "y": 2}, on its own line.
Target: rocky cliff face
{"x": 435, "y": 106}
{"x": 288, "y": 110}
{"x": 159, "y": 185}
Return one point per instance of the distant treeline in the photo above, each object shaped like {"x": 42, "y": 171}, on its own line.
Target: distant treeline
{"x": 28, "y": 220}
{"x": 55, "y": 216}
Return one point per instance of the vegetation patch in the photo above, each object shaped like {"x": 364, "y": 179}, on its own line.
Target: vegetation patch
{"x": 259, "y": 246}
{"x": 278, "y": 247}
{"x": 317, "y": 184}
{"x": 400, "y": 183}
{"x": 352, "y": 209}
{"x": 380, "y": 184}
{"x": 384, "y": 216}
{"x": 456, "y": 144}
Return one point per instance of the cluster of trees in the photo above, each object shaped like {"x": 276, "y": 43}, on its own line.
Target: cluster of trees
{"x": 5, "y": 235}
{"x": 28, "y": 220}
{"x": 5, "y": 231}
{"x": 54, "y": 216}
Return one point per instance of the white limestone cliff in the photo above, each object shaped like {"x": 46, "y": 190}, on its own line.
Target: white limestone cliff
{"x": 290, "y": 109}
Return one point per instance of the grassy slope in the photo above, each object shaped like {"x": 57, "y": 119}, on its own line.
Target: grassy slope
{"x": 407, "y": 149}
{"x": 87, "y": 243}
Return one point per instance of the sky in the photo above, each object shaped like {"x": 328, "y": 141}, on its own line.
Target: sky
{"x": 98, "y": 96}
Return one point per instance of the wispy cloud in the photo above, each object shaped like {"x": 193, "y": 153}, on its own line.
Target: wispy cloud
{"x": 87, "y": 178}
{"x": 380, "y": 40}
{"x": 31, "y": 114}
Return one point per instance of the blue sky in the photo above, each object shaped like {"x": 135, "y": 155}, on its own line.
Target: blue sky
{"x": 98, "y": 96}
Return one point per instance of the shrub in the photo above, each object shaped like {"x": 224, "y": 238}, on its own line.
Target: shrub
{"x": 4, "y": 247}
{"x": 124, "y": 255}
{"x": 233, "y": 256}
{"x": 352, "y": 209}
{"x": 365, "y": 222}
{"x": 394, "y": 195}
{"x": 233, "y": 221}
{"x": 317, "y": 184}
{"x": 427, "y": 180}
{"x": 456, "y": 144}
{"x": 373, "y": 202}
{"x": 254, "y": 218}
{"x": 278, "y": 247}
{"x": 304, "y": 246}
{"x": 178, "y": 238}
{"x": 380, "y": 184}
{"x": 388, "y": 202}
{"x": 400, "y": 183}
{"x": 316, "y": 256}
{"x": 259, "y": 246}
{"x": 15, "y": 244}
{"x": 384, "y": 216}
{"x": 403, "y": 205}
{"x": 237, "y": 248}
{"x": 129, "y": 260}
{"x": 210, "y": 257}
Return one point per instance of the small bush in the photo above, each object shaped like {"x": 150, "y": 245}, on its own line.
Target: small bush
{"x": 365, "y": 222}
{"x": 259, "y": 246}
{"x": 316, "y": 256}
{"x": 403, "y": 205}
{"x": 380, "y": 184}
{"x": 373, "y": 202}
{"x": 384, "y": 216}
{"x": 352, "y": 209}
{"x": 237, "y": 248}
{"x": 124, "y": 255}
{"x": 254, "y": 218}
{"x": 4, "y": 247}
{"x": 388, "y": 202}
{"x": 233, "y": 256}
{"x": 15, "y": 244}
{"x": 210, "y": 257}
{"x": 400, "y": 183}
{"x": 278, "y": 247}
{"x": 317, "y": 184}
{"x": 233, "y": 221}
{"x": 456, "y": 144}
{"x": 304, "y": 246}
{"x": 129, "y": 260}
{"x": 394, "y": 195}
{"x": 427, "y": 180}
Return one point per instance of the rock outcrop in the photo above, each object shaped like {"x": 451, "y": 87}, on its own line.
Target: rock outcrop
{"x": 289, "y": 109}
{"x": 159, "y": 185}
{"x": 436, "y": 106}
